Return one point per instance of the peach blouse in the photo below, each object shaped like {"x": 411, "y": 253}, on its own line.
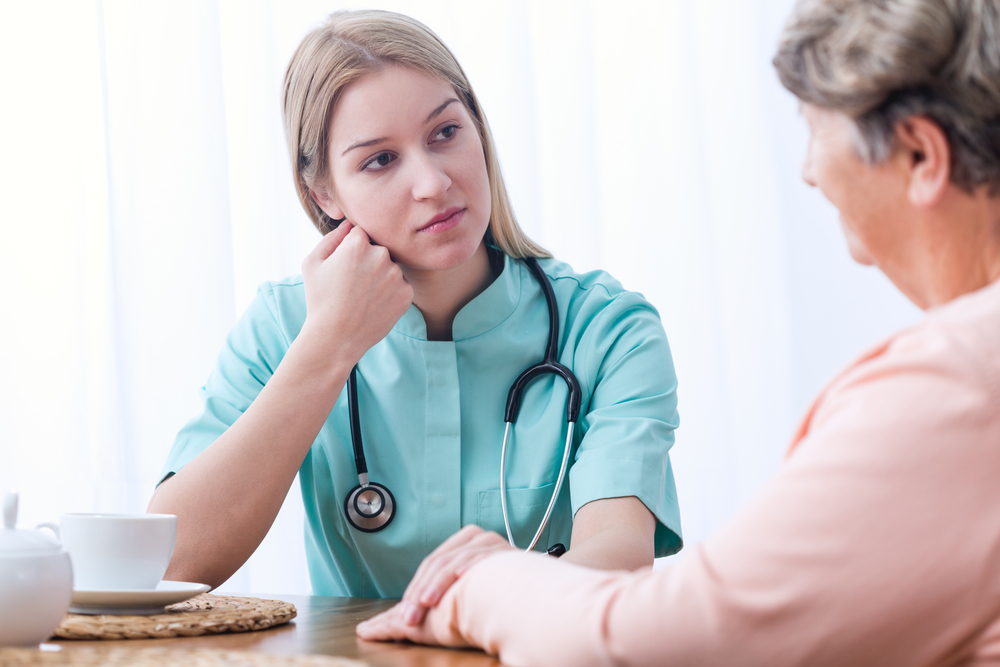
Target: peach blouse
{"x": 876, "y": 543}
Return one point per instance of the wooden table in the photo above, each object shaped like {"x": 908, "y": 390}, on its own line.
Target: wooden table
{"x": 324, "y": 625}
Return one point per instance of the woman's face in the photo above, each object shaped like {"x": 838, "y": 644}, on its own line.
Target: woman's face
{"x": 408, "y": 168}
{"x": 866, "y": 195}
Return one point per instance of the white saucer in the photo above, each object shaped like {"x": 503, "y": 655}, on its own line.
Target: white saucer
{"x": 140, "y": 603}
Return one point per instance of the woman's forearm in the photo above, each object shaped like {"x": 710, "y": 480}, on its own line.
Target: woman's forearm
{"x": 618, "y": 548}
{"x": 227, "y": 498}
{"x": 613, "y": 534}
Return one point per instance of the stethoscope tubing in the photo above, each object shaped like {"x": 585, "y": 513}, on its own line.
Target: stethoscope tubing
{"x": 548, "y": 365}
{"x": 387, "y": 509}
{"x": 555, "y": 491}
{"x": 355, "y": 419}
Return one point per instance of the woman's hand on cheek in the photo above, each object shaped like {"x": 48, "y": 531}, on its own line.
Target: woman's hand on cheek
{"x": 354, "y": 291}
{"x": 443, "y": 567}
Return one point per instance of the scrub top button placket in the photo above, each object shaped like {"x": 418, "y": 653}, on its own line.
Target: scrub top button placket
{"x": 443, "y": 449}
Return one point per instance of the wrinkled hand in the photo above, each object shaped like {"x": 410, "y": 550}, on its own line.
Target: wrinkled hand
{"x": 353, "y": 290}
{"x": 433, "y": 578}
{"x": 391, "y": 625}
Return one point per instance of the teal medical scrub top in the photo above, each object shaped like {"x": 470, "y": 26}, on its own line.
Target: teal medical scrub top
{"x": 432, "y": 420}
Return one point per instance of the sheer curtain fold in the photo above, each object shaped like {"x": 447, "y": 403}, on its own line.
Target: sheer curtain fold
{"x": 60, "y": 422}
{"x": 145, "y": 193}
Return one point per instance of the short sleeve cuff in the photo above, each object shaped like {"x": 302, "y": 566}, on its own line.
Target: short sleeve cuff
{"x": 596, "y": 478}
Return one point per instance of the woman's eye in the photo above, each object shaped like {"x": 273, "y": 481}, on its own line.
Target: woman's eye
{"x": 380, "y": 161}
{"x": 446, "y": 132}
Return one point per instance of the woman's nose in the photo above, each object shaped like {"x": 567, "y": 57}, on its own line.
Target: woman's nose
{"x": 430, "y": 181}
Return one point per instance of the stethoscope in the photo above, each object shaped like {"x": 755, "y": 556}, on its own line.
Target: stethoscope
{"x": 370, "y": 506}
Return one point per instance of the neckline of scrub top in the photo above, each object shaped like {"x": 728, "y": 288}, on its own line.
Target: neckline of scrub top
{"x": 494, "y": 305}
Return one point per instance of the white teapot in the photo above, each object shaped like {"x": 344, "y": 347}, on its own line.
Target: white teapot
{"x": 36, "y": 581}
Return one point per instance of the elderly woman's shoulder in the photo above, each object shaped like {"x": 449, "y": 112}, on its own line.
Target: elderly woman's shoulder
{"x": 970, "y": 324}
{"x": 956, "y": 346}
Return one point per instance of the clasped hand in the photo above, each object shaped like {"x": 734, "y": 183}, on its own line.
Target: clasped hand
{"x": 354, "y": 292}
{"x": 433, "y": 578}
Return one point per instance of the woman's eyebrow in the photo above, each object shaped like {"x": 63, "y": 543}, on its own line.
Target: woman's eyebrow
{"x": 441, "y": 108}
{"x": 362, "y": 144}
{"x": 372, "y": 142}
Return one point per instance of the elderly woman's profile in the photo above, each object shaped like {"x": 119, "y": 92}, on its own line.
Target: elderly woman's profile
{"x": 878, "y": 540}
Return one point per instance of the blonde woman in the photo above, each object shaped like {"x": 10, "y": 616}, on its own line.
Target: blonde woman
{"x": 424, "y": 284}
{"x": 878, "y": 541}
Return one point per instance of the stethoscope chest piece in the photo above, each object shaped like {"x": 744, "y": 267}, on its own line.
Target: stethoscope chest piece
{"x": 370, "y": 508}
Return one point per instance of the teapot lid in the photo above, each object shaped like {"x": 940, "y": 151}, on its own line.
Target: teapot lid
{"x": 14, "y": 542}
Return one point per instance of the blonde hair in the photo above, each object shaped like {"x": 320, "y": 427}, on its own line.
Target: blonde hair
{"x": 347, "y": 46}
{"x": 882, "y": 62}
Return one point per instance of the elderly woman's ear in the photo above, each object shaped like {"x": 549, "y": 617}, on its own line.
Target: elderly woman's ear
{"x": 923, "y": 156}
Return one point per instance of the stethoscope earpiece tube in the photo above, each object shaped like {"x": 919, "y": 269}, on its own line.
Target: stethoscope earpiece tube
{"x": 352, "y": 403}
{"x": 548, "y": 365}
{"x": 522, "y": 381}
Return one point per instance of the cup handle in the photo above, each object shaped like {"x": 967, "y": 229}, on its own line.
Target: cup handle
{"x": 54, "y": 527}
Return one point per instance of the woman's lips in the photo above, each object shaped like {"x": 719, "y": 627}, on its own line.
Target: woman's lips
{"x": 444, "y": 221}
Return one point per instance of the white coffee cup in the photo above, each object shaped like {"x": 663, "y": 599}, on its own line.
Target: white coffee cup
{"x": 117, "y": 552}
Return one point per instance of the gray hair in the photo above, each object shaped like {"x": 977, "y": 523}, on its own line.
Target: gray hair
{"x": 883, "y": 61}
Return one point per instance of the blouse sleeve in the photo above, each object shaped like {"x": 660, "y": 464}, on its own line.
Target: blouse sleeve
{"x": 876, "y": 543}
{"x": 628, "y": 426}
{"x": 252, "y": 351}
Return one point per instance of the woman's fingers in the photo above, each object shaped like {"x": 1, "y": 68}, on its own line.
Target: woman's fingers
{"x": 439, "y": 571}
{"x": 429, "y": 567}
{"x": 336, "y": 236}
{"x": 460, "y": 560}
{"x": 390, "y": 626}
{"x": 354, "y": 292}
{"x": 450, "y": 572}
{"x": 436, "y": 574}
{"x": 328, "y": 244}
{"x": 387, "y": 626}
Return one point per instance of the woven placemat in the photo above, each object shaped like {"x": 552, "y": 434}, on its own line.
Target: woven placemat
{"x": 120, "y": 656}
{"x": 201, "y": 615}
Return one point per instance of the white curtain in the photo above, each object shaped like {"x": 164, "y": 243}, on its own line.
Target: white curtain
{"x": 145, "y": 193}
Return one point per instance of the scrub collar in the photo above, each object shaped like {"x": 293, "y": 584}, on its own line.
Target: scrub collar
{"x": 488, "y": 310}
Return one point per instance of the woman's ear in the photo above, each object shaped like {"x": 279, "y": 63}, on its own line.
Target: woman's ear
{"x": 326, "y": 203}
{"x": 925, "y": 156}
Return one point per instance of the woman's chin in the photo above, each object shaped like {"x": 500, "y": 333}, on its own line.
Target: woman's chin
{"x": 861, "y": 255}
{"x": 858, "y": 251}
{"x": 447, "y": 260}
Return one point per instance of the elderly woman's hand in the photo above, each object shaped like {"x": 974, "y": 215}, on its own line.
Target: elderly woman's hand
{"x": 392, "y": 626}
{"x": 433, "y": 578}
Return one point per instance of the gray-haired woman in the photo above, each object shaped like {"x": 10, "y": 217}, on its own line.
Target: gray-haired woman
{"x": 878, "y": 542}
